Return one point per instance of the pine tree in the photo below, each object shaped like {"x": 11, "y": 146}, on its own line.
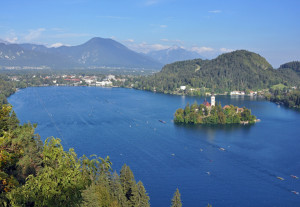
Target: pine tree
{"x": 141, "y": 198}
{"x": 176, "y": 201}
{"x": 117, "y": 191}
{"x": 128, "y": 183}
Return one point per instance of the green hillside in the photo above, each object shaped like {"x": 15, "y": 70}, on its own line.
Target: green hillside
{"x": 294, "y": 66}
{"x": 238, "y": 70}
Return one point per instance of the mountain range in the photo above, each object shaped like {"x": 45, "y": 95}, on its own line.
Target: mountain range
{"x": 173, "y": 54}
{"x": 95, "y": 53}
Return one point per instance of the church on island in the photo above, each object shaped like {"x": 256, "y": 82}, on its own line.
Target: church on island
{"x": 212, "y": 101}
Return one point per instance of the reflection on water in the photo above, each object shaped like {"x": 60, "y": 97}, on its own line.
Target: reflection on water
{"x": 211, "y": 130}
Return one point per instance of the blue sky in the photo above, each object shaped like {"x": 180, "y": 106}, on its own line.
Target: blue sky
{"x": 210, "y": 27}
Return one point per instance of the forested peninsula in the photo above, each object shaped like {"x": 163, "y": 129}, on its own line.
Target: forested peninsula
{"x": 213, "y": 115}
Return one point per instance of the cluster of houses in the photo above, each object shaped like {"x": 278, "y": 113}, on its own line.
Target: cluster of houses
{"x": 76, "y": 80}
{"x": 232, "y": 93}
{"x": 242, "y": 93}
{"x": 93, "y": 80}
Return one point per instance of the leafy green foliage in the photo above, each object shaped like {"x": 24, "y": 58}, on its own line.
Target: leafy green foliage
{"x": 19, "y": 152}
{"x": 295, "y": 66}
{"x": 288, "y": 98}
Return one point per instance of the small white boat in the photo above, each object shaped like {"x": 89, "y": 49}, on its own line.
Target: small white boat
{"x": 280, "y": 178}
{"x": 222, "y": 149}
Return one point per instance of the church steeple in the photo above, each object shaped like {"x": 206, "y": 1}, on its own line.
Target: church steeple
{"x": 212, "y": 99}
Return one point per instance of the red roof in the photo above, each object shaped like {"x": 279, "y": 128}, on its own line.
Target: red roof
{"x": 206, "y": 103}
{"x": 226, "y": 106}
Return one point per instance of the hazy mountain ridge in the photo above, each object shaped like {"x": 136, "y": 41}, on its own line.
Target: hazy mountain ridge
{"x": 97, "y": 52}
{"x": 173, "y": 54}
{"x": 14, "y": 55}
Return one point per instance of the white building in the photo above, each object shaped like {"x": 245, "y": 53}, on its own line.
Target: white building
{"x": 104, "y": 83}
{"x": 213, "y": 100}
{"x": 182, "y": 88}
{"x": 237, "y": 93}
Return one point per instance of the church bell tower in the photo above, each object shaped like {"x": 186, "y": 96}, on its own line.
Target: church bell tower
{"x": 212, "y": 100}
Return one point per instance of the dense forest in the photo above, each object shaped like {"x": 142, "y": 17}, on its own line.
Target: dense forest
{"x": 289, "y": 98}
{"x": 238, "y": 70}
{"x": 294, "y": 65}
{"x": 201, "y": 114}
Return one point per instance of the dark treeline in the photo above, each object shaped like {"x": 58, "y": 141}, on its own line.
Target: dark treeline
{"x": 289, "y": 98}
{"x": 201, "y": 114}
{"x": 238, "y": 70}
{"x": 294, "y": 65}
{"x": 7, "y": 88}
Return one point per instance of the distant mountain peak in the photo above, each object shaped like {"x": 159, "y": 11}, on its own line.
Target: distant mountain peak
{"x": 174, "y": 54}
{"x": 95, "y": 53}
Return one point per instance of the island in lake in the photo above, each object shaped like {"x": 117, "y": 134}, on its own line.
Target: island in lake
{"x": 210, "y": 113}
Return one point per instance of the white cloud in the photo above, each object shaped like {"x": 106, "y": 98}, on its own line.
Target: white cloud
{"x": 163, "y": 26}
{"x": 215, "y": 11}
{"x": 145, "y": 47}
{"x": 58, "y": 44}
{"x": 202, "y": 49}
{"x": 172, "y": 41}
{"x": 34, "y": 34}
{"x": 130, "y": 40}
{"x": 225, "y": 50}
{"x": 12, "y": 39}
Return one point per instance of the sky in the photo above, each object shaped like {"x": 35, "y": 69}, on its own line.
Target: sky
{"x": 270, "y": 28}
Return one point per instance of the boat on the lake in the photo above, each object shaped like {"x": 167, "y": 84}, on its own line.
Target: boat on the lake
{"x": 294, "y": 176}
{"x": 280, "y": 178}
{"x": 162, "y": 121}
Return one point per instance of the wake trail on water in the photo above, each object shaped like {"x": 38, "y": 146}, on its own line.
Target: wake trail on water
{"x": 49, "y": 115}
{"x": 257, "y": 170}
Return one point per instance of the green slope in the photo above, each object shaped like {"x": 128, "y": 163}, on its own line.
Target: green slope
{"x": 238, "y": 70}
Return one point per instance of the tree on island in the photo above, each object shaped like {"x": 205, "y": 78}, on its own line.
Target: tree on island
{"x": 201, "y": 114}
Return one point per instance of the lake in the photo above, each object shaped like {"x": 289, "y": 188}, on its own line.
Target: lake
{"x": 124, "y": 124}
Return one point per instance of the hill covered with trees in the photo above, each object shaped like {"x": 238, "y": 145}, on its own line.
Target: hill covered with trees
{"x": 294, "y": 66}
{"x": 238, "y": 70}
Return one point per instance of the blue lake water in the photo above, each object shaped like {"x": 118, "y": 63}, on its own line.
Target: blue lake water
{"x": 124, "y": 124}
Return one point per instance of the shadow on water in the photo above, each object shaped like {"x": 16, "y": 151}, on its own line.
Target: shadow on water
{"x": 208, "y": 128}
